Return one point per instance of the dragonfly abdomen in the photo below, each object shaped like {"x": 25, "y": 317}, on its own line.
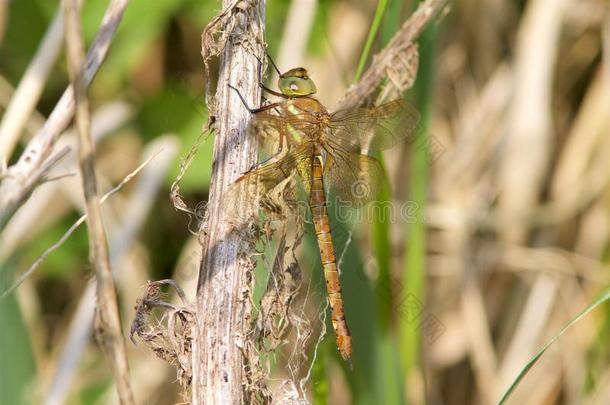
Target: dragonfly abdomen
{"x": 317, "y": 203}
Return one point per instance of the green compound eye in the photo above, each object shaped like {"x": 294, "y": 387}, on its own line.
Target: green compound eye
{"x": 296, "y": 83}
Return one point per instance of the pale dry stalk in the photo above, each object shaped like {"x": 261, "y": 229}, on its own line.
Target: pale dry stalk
{"x": 121, "y": 240}
{"x": 21, "y": 178}
{"x": 399, "y": 48}
{"x": 27, "y": 94}
{"x": 108, "y": 323}
{"x": 525, "y": 160}
{"x": 222, "y": 292}
{"x": 529, "y": 136}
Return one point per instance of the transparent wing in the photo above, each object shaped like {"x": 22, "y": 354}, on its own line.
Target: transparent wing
{"x": 269, "y": 127}
{"x": 354, "y": 178}
{"x": 373, "y": 128}
{"x": 266, "y": 127}
{"x": 265, "y": 186}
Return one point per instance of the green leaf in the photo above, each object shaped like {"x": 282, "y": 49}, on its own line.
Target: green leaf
{"x": 414, "y": 265}
{"x": 379, "y": 12}
{"x": 17, "y": 367}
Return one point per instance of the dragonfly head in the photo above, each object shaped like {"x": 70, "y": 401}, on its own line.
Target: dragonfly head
{"x": 296, "y": 83}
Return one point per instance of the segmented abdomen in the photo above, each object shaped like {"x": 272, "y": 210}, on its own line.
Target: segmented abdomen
{"x": 317, "y": 203}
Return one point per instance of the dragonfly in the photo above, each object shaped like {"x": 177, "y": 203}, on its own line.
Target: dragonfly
{"x": 324, "y": 151}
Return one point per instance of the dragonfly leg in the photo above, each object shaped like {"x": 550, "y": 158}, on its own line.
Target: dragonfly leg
{"x": 279, "y": 149}
{"x": 260, "y": 77}
{"x": 261, "y": 164}
{"x": 270, "y": 158}
{"x": 276, "y": 155}
{"x": 253, "y": 110}
{"x": 243, "y": 100}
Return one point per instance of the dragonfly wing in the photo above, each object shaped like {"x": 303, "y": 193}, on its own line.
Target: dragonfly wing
{"x": 269, "y": 128}
{"x": 354, "y": 178}
{"x": 265, "y": 187}
{"x": 373, "y": 128}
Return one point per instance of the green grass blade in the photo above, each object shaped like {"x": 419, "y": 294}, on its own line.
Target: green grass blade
{"x": 415, "y": 261}
{"x": 380, "y": 237}
{"x": 381, "y": 6}
{"x": 602, "y": 299}
{"x": 388, "y": 378}
{"x": 388, "y": 382}
{"x": 391, "y": 21}
{"x": 380, "y": 227}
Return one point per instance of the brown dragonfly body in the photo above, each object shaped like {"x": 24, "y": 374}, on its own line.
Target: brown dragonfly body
{"x": 317, "y": 204}
{"x": 324, "y": 150}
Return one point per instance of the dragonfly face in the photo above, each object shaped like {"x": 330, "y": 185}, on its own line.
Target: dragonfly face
{"x": 325, "y": 152}
{"x": 296, "y": 83}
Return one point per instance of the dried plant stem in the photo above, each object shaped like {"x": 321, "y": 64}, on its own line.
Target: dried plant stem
{"x": 21, "y": 178}
{"x": 397, "y": 49}
{"x": 25, "y": 223}
{"x": 122, "y": 239}
{"x": 222, "y": 309}
{"x": 108, "y": 323}
{"x": 530, "y": 125}
{"x": 30, "y": 88}
{"x": 70, "y": 231}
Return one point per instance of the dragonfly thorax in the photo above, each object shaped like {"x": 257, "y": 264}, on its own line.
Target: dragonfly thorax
{"x": 309, "y": 106}
{"x": 309, "y": 119}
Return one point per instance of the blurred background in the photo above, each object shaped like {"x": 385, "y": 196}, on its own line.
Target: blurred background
{"x": 504, "y": 235}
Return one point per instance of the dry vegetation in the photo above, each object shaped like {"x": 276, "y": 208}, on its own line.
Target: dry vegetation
{"x": 506, "y": 236}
